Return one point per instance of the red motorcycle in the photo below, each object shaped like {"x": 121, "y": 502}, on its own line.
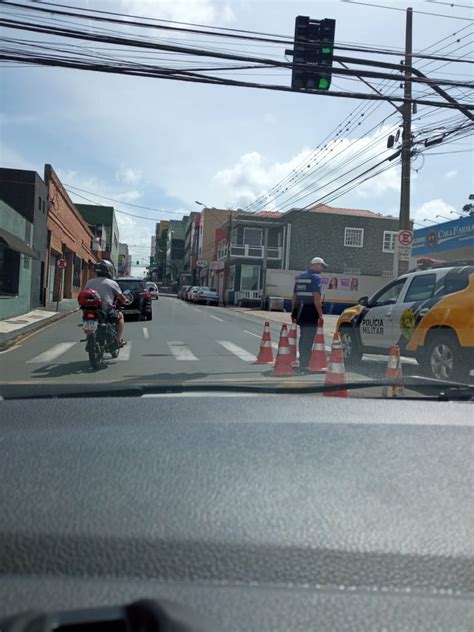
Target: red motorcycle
{"x": 100, "y": 329}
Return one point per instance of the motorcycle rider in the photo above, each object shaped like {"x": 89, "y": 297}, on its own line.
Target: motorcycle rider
{"x": 109, "y": 291}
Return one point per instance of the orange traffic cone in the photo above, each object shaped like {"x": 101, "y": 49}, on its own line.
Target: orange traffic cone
{"x": 283, "y": 366}
{"x": 336, "y": 373}
{"x": 394, "y": 370}
{"x": 318, "y": 362}
{"x": 265, "y": 354}
{"x": 292, "y": 334}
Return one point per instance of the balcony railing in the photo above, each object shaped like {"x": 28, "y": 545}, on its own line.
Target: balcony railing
{"x": 254, "y": 252}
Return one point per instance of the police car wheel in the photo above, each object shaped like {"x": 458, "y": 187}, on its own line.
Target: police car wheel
{"x": 350, "y": 345}
{"x": 444, "y": 359}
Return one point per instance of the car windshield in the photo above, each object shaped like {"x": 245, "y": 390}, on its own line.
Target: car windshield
{"x": 264, "y": 194}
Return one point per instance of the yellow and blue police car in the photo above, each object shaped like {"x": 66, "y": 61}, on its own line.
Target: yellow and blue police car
{"x": 428, "y": 312}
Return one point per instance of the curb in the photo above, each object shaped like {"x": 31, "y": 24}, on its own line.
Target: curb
{"x": 9, "y": 340}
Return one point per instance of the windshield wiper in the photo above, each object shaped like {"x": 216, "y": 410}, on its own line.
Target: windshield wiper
{"x": 430, "y": 388}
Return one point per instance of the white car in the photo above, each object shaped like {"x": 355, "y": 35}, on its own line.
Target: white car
{"x": 153, "y": 289}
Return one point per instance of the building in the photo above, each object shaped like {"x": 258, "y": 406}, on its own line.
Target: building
{"x": 175, "y": 249}
{"x": 26, "y": 193}
{"x": 191, "y": 248}
{"x": 69, "y": 243}
{"x": 354, "y": 242}
{"x": 210, "y": 220}
{"x": 103, "y": 224}
{"x": 448, "y": 241}
{"x": 161, "y": 241}
{"x": 16, "y": 258}
{"x": 123, "y": 260}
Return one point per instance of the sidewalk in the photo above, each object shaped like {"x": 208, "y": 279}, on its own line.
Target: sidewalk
{"x": 284, "y": 317}
{"x": 13, "y": 329}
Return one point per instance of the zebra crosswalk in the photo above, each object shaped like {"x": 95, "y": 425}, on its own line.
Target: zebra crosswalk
{"x": 177, "y": 350}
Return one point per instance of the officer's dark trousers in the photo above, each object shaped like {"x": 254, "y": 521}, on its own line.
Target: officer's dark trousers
{"x": 307, "y": 334}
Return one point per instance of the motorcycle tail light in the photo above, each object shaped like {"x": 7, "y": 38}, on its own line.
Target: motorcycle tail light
{"x": 91, "y": 315}
{"x": 146, "y": 294}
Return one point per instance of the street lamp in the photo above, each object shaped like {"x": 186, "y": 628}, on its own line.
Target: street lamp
{"x": 429, "y": 220}
{"x": 456, "y": 213}
{"x": 443, "y": 217}
{"x": 201, "y": 204}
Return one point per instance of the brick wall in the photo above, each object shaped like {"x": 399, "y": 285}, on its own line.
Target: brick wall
{"x": 71, "y": 238}
{"x": 322, "y": 235}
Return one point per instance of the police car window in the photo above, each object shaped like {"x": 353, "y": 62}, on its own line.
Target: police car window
{"x": 456, "y": 280}
{"x": 421, "y": 288}
{"x": 390, "y": 295}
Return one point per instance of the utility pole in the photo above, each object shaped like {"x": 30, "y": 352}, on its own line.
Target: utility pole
{"x": 404, "y": 219}
{"x": 264, "y": 266}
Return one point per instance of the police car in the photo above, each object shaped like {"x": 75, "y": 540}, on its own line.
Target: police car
{"x": 428, "y": 312}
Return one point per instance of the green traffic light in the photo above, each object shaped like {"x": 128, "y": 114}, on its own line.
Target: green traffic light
{"x": 323, "y": 84}
{"x": 326, "y": 51}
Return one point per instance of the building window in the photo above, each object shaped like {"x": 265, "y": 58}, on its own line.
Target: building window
{"x": 76, "y": 278}
{"x": 389, "y": 239}
{"x": 354, "y": 237}
{"x": 39, "y": 203}
{"x": 9, "y": 270}
{"x": 253, "y": 236}
{"x": 249, "y": 277}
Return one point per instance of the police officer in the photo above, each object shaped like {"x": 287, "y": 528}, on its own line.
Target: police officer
{"x": 306, "y": 307}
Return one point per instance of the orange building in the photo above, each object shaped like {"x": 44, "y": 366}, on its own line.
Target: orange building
{"x": 69, "y": 240}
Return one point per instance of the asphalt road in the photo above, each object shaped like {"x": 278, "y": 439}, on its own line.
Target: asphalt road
{"x": 183, "y": 342}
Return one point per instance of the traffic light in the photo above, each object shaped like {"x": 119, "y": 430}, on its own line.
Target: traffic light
{"x": 312, "y": 52}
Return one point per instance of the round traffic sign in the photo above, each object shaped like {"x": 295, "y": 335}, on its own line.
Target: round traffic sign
{"x": 405, "y": 237}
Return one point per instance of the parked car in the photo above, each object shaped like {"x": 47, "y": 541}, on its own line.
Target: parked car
{"x": 207, "y": 296}
{"x": 141, "y": 304}
{"x": 183, "y": 291}
{"x": 191, "y": 292}
{"x": 427, "y": 312}
{"x": 153, "y": 289}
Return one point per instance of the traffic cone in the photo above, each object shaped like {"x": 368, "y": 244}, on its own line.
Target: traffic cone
{"x": 265, "y": 353}
{"x": 394, "y": 370}
{"x": 336, "y": 373}
{"x": 318, "y": 362}
{"x": 283, "y": 366}
{"x": 292, "y": 335}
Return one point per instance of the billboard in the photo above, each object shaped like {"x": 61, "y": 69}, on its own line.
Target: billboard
{"x": 447, "y": 236}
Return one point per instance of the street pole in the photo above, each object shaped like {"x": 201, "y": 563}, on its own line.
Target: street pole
{"x": 404, "y": 219}
{"x": 264, "y": 266}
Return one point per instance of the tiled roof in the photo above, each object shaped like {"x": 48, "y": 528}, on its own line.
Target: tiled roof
{"x": 324, "y": 208}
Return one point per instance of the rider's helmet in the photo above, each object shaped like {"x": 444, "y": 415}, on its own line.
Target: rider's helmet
{"x": 105, "y": 268}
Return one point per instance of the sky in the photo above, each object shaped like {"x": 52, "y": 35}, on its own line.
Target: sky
{"x": 165, "y": 144}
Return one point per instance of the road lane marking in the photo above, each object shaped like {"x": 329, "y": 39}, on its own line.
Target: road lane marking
{"x": 146, "y": 335}
{"x": 238, "y": 351}
{"x": 181, "y": 351}
{"x": 216, "y": 318}
{"x": 10, "y": 349}
{"x": 274, "y": 344}
{"x": 124, "y": 353}
{"x": 197, "y": 310}
{"x": 52, "y": 354}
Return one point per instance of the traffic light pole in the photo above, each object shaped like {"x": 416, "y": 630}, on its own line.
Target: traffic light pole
{"x": 404, "y": 218}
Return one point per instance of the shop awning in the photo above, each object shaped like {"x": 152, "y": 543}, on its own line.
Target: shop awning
{"x": 15, "y": 243}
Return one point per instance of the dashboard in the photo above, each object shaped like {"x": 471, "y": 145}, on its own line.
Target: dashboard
{"x": 240, "y": 513}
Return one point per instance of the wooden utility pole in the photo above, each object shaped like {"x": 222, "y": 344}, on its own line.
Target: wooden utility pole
{"x": 264, "y": 266}
{"x": 227, "y": 262}
{"x": 404, "y": 218}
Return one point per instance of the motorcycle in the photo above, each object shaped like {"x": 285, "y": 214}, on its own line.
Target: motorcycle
{"x": 100, "y": 330}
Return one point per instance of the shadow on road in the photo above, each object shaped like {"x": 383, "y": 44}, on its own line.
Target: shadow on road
{"x": 72, "y": 368}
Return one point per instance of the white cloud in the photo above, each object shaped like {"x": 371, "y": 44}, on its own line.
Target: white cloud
{"x": 129, "y": 176}
{"x": 430, "y": 209}
{"x": 202, "y": 11}
{"x": 451, "y": 174}
{"x": 333, "y": 165}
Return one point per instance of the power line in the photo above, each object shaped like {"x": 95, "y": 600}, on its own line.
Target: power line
{"x": 381, "y": 6}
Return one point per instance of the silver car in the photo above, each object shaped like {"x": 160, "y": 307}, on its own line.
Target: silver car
{"x": 153, "y": 289}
